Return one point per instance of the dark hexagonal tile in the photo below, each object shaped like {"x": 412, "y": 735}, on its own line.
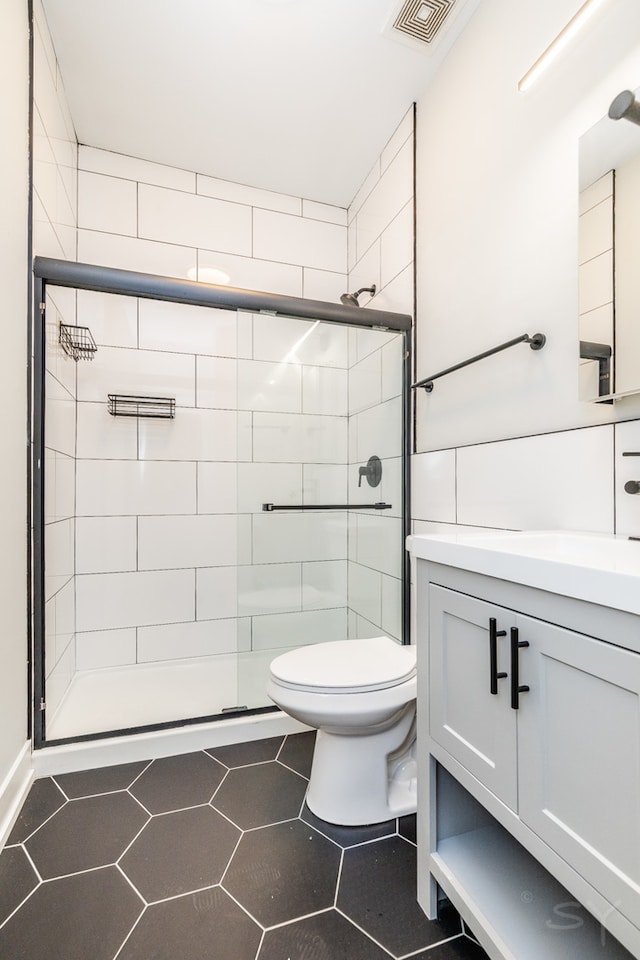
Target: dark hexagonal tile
{"x": 349, "y": 836}
{"x": 378, "y": 892}
{"x": 74, "y": 918}
{"x": 86, "y": 833}
{"x": 462, "y": 948}
{"x": 180, "y": 852}
{"x": 17, "y": 880}
{"x": 200, "y": 926}
{"x": 282, "y": 872}
{"x": 43, "y": 800}
{"x": 88, "y": 783}
{"x": 297, "y": 752}
{"x": 174, "y": 783}
{"x": 407, "y": 828}
{"x": 261, "y": 794}
{"x": 326, "y": 936}
{"x": 241, "y": 754}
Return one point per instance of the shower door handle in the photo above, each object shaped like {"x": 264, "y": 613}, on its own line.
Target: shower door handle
{"x": 270, "y": 507}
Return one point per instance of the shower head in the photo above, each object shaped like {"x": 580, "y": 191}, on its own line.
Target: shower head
{"x": 351, "y": 299}
{"x": 625, "y": 106}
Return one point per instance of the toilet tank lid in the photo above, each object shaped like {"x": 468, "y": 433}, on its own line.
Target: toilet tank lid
{"x": 374, "y": 662}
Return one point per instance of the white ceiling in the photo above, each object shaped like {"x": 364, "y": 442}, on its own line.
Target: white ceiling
{"x": 296, "y": 96}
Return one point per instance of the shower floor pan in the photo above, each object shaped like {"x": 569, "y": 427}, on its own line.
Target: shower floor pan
{"x": 120, "y": 698}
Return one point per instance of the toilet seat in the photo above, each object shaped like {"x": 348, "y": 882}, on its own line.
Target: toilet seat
{"x": 345, "y": 666}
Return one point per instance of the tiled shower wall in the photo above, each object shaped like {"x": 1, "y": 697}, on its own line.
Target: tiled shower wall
{"x": 172, "y": 543}
{"x": 144, "y": 216}
{"x": 54, "y": 235}
{"x": 175, "y": 556}
{"x": 380, "y": 252}
{"x": 160, "y": 547}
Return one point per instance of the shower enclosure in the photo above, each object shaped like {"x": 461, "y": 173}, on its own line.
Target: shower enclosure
{"x": 219, "y": 475}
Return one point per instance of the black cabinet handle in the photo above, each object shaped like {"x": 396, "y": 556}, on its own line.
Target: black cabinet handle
{"x": 516, "y": 687}
{"x": 494, "y": 633}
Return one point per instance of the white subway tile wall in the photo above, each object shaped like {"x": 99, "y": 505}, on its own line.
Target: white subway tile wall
{"x": 165, "y": 505}
{"x": 105, "y": 648}
{"x": 215, "y": 363}
{"x": 157, "y": 499}
{"x": 380, "y": 252}
{"x": 172, "y": 641}
{"x": 324, "y": 585}
{"x": 544, "y": 482}
{"x": 562, "y": 480}
{"x": 216, "y": 593}
{"x": 109, "y": 600}
{"x": 433, "y": 486}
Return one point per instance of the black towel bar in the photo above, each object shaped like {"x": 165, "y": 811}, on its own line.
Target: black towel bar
{"x": 536, "y": 342}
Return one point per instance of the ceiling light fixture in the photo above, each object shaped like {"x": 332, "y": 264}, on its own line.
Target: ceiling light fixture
{"x": 563, "y": 39}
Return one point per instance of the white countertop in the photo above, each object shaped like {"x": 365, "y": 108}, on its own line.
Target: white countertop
{"x": 600, "y": 568}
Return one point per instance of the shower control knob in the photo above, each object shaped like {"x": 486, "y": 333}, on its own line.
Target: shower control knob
{"x": 632, "y": 486}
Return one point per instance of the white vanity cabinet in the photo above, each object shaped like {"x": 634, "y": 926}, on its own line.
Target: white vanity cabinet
{"x": 529, "y": 766}
{"x": 476, "y": 727}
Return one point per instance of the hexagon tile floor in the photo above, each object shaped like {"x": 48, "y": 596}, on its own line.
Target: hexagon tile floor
{"x": 210, "y": 856}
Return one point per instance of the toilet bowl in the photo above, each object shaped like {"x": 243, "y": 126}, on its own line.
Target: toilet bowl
{"x": 361, "y": 697}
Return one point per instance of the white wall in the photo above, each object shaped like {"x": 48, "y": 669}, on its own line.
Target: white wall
{"x": 14, "y": 73}
{"x": 497, "y": 202}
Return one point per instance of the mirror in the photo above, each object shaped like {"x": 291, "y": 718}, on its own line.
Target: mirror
{"x": 609, "y": 238}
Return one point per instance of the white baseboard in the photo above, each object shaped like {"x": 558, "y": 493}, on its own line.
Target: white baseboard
{"x": 13, "y": 791}
{"x": 90, "y": 754}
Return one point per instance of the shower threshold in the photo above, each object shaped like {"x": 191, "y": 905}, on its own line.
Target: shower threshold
{"x": 125, "y": 697}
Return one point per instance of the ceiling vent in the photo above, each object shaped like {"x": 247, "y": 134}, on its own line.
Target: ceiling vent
{"x": 429, "y": 25}
{"x": 423, "y": 19}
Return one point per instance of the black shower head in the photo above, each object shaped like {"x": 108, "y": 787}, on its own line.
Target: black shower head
{"x": 351, "y": 299}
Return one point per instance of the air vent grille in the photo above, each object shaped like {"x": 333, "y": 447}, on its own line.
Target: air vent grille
{"x": 422, "y": 19}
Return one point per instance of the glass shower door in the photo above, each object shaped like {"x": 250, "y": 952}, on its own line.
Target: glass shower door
{"x": 169, "y": 585}
{"x": 328, "y": 574}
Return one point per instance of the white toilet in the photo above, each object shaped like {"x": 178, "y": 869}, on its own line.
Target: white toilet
{"x": 361, "y": 696}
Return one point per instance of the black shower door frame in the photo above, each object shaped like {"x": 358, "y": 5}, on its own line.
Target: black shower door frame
{"x": 83, "y": 276}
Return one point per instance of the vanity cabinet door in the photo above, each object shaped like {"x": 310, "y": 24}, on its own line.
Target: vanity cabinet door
{"x": 475, "y": 726}
{"x": 579, "y": 756}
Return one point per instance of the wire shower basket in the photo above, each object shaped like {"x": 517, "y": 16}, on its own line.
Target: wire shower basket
{"x": 77, "y": 342}
{"x": 157, "y": 408}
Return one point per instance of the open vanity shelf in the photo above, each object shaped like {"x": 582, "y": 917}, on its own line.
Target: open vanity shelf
{"x": 529, "y": 749}
{"x": 512, "y": 904}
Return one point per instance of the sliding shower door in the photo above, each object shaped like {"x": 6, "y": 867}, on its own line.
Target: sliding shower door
{"x": 184, "y": 459}
{"x": 322, "y": 400}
